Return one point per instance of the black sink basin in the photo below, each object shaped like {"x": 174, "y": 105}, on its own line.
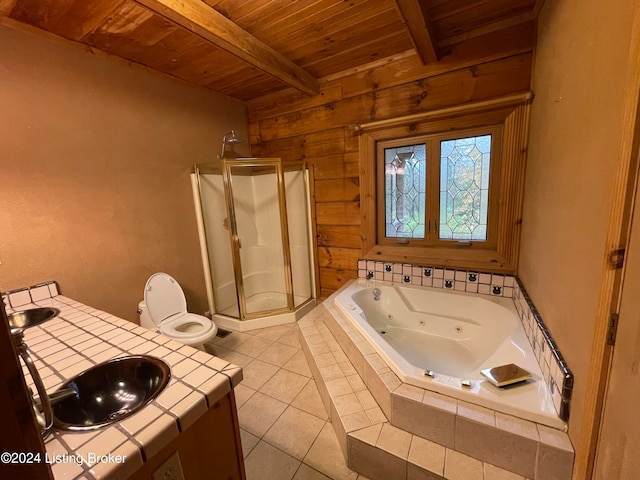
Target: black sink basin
{"x": 31, "y": 317}
{"x": 110, "y": 392}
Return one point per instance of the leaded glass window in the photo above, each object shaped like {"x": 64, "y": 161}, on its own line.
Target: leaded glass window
{"x": 464, "y": 188}
{"x": 405, "y": 188}
{"x": 436, "y": 188}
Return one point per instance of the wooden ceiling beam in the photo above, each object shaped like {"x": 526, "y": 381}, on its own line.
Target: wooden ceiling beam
{"x": 422, "y": 36}
{"x": 201, "y": 19}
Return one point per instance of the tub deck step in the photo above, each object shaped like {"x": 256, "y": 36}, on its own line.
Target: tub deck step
{"x": 390, "y": 430}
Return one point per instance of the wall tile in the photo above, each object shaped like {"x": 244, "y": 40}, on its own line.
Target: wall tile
{"x": 512, "y": 452}
{"x": 19, "y": 298}
{"x": 415, "y": 472}
{"x": 373, "y": 462}
{"x": 554, "y": 463}
{"x": 427, "y": 421}
{"x": 40, "y": 293}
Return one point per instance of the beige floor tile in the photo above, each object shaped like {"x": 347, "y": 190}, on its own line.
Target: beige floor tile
{"x": 347, "y": 404}
{"x": 274, "y": 333}
{"x": 309, "y": 401}
{"x": 305, "y": 472}
{"x": 461, "y": 467}
{"x": 291, "y": 338}
{"x": 326, "y": 456}
{"x": 266, "y": 462}
{"x": 259, "y": 413}
{"x": 298, "y": 364}
{"x": 339, "y": 386}
{"x": 278, "y": 354}
{"x": 248, "y": 442}
{"x": 284, "y": 385}
{"x": 254, "y": 346}
{"x": 243, "y": 393}
{"x": 394, "y": 441}
{"x": 257, "y": 373}
{"x": 427, "y": 455}
{"x": 217, "y": 350}
{"x": 237, "y": 358}
{"x": 232, "y": 340}
{"x": 294, "y": 432}
{"x": 276, "y": 437}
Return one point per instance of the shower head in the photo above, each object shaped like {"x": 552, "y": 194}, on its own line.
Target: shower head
{"x": 229, "y": 139}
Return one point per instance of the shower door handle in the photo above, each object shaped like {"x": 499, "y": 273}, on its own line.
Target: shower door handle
{"x": 237, "y": 242}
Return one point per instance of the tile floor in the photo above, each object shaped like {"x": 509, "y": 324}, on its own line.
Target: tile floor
{"x": 286, "y": 433}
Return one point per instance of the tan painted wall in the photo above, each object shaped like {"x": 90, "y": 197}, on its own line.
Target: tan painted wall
{"x": 95, "y": 156}
{"x": 578, "y": 79}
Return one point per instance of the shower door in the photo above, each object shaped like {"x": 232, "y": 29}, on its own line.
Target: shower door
{"x": 259, "y": 236}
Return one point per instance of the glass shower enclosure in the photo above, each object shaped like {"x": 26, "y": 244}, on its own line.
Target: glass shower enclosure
{"x": 254, "y": 225}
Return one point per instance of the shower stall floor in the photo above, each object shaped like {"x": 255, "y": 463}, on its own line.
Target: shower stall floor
{"x": 262, "y": 301}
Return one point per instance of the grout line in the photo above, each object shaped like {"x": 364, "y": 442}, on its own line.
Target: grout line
{"x": 310, "y": 381}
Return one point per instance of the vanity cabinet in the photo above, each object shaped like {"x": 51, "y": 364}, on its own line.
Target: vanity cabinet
{"x": 209, "y": 449}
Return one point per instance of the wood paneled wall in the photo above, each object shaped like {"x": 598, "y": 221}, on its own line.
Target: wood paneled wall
{"x": 319, "y": 129}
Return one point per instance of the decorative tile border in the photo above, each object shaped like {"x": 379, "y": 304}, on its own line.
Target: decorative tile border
{"x": 558, "y": 377}
{"x": 24, "y": 296}
{"x": 554, "y": 368}
{"x": 438, "y": 277}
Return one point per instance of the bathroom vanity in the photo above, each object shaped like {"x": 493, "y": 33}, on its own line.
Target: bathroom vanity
{"x": 194, "y": 416}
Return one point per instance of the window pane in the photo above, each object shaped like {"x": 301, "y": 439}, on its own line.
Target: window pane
{"x": 404, "y": 190}
{"x": 464, "y": 188}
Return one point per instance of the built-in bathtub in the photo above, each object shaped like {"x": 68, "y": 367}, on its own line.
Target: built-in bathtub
{"x": 441, "y": 340}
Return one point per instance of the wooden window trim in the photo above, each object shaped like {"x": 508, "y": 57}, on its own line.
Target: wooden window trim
{"x": 432, "y": 144}
{"x": 512, "y": 113}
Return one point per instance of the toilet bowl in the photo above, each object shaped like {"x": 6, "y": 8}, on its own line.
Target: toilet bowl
{"x": 164, "y": 309}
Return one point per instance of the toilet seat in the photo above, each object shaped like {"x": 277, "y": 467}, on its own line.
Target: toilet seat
{"x": 167, "y": 308}
{"x": 172, "y": 327}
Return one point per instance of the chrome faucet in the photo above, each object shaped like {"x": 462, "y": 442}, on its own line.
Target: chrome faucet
{"x": 41, "y": 405}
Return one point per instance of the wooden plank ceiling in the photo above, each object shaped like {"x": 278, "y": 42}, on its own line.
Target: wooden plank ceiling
{"x": 248, "y": 48}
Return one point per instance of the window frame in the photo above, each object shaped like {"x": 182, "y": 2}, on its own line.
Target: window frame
{"x": 432, "y": 144}
{"x": 500, "y": 254}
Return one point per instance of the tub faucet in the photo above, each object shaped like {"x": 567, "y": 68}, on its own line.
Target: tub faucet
{"x": 41, "y": 406}
{"x": 369, "y": 275}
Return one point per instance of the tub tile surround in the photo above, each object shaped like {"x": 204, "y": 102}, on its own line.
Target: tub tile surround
{"x": 556, "y": 373}
{"x": 80, "y": 337}
{"x": 438, "y": 277}
{"x": 411, "y": 433}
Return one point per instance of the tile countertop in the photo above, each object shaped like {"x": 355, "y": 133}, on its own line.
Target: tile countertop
{"x": 80, "y": 337}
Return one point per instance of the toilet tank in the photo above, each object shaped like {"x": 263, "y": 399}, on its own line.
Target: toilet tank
{"x": 145, "y": 318}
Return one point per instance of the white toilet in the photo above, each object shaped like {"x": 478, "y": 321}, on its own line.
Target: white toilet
{"x": 164, "y": 309}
